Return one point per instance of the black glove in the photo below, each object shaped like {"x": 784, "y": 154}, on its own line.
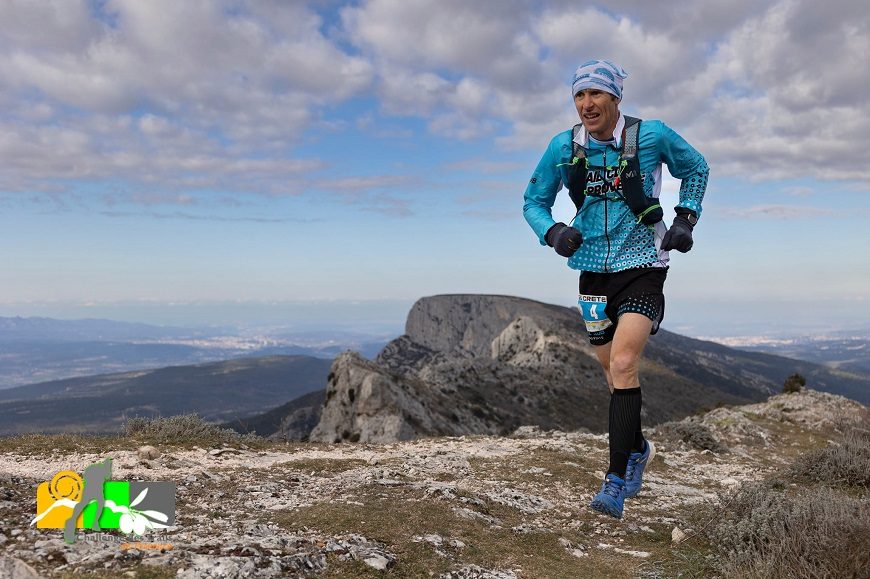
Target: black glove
{"x": 679, "y": 236}
{"x": 565, "y": 240}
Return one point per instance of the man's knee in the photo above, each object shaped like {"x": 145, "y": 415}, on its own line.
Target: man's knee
{"x": 624, "y": 363}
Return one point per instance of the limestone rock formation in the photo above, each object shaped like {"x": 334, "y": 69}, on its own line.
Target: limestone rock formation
{"x": 488, "y": 365}
{"x": 367, "y": 402}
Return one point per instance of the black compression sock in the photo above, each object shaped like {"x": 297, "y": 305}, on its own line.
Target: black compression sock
{"x": 639, "y": 440}
{"x": 624, "y": 425}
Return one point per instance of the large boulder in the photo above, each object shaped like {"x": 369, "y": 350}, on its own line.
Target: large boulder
{"x": 369, "y": 403}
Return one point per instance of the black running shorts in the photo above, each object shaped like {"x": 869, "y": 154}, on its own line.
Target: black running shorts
{"x": 604, "y": 297}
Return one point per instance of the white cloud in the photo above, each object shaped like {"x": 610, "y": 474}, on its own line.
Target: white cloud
{"x": 190, "y": 94}
{"x": 357, "y": 184}
{"x": 462, "y": 65}
{"x": 181, "y": 215}
{"x": 650, "y": 55}
{"x": 441, "y": 34}
{"x": 217, "y": 94}
{"x": 63, "y": 25}
{"x": 408, "y": 93}
{"x": 783, "y": 96}
{"x": 148, "y": 152}
{"x": 754, "y": 90}
{"x": 774, "y": 211}
{"x": 460, "y": 126}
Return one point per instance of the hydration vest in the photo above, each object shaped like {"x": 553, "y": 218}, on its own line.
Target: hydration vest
{"x": 646, "y": 209}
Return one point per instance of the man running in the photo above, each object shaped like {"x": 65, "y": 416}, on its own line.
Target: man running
{"x": 611, "y": 166}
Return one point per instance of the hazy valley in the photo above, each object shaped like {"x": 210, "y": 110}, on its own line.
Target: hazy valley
{"x": 847, "y": 351}
{"x": 35, "y": 350}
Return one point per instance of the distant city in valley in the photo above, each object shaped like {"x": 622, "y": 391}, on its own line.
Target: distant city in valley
{"x": 36, "y": 350}
{"x": 843, "y": 351}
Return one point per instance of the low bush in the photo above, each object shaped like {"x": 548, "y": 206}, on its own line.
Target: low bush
{"x": 817, "y": 532}
{"x": 184, "y": 429}
{"x": 694, "y": 434}
{"x": 843, "y": 463}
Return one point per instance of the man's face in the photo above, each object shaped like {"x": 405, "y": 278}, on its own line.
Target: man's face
{"x": 599, "y": 112}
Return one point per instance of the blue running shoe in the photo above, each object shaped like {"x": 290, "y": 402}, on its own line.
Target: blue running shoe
{"x": 637, "y": 462}
{"x": 611, "y": 498}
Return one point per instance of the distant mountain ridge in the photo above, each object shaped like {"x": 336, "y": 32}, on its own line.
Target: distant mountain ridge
{"x": 291, "y": 421}
{"x": 37, "y": 329}
{"x": 220, "y": 391}
{"x": 719, "y": 365}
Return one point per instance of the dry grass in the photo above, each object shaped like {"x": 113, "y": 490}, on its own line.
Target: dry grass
{"x": 570, "y": 468}
{"x": 394, "y": 516}
{"x": 51, "y": 444}
{"x": 140, "y": 571}
{"x": 321, "y": 467}
{"x": 771, "y": 529}
{"x": 184, "y": 430}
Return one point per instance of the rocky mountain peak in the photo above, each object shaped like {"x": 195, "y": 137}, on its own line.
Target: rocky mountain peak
{"x": 468, "y": 323}
{"x": 488, "y": 364}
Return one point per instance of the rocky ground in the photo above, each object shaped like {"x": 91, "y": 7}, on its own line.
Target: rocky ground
{"x": 454, "y": 507}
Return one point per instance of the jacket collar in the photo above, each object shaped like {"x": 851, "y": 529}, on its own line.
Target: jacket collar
{"x": 582, "y": 137}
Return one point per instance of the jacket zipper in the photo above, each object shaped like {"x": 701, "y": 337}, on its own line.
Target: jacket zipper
{"x": 606, "y": 235}
{"x": 606, "y": 231}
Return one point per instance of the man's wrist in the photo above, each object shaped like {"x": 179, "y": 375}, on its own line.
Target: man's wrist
{"x": 690, "y": 216}
{"x": 553, "y": 230}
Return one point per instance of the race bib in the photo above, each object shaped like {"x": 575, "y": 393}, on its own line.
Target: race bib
{"x": 593, "y": 313}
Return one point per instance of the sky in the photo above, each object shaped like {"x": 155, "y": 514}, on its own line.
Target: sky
{"x": 173, "y": 162}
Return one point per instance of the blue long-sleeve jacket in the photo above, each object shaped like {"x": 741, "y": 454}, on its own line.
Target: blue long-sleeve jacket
{"x": 613, "y": 240}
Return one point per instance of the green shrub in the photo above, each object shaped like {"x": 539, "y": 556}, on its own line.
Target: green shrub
{"x": 794, "y": 383}
{"x": 765, "y": 532}
{"x": 184, "y": 429}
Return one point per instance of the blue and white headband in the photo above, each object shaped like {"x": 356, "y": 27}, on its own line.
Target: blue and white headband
{"x": 601, "y": 75}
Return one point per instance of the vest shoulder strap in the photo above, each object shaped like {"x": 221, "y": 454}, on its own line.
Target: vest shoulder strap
{"x": 576, "y": 150}
{"x": 629, "y": 137}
